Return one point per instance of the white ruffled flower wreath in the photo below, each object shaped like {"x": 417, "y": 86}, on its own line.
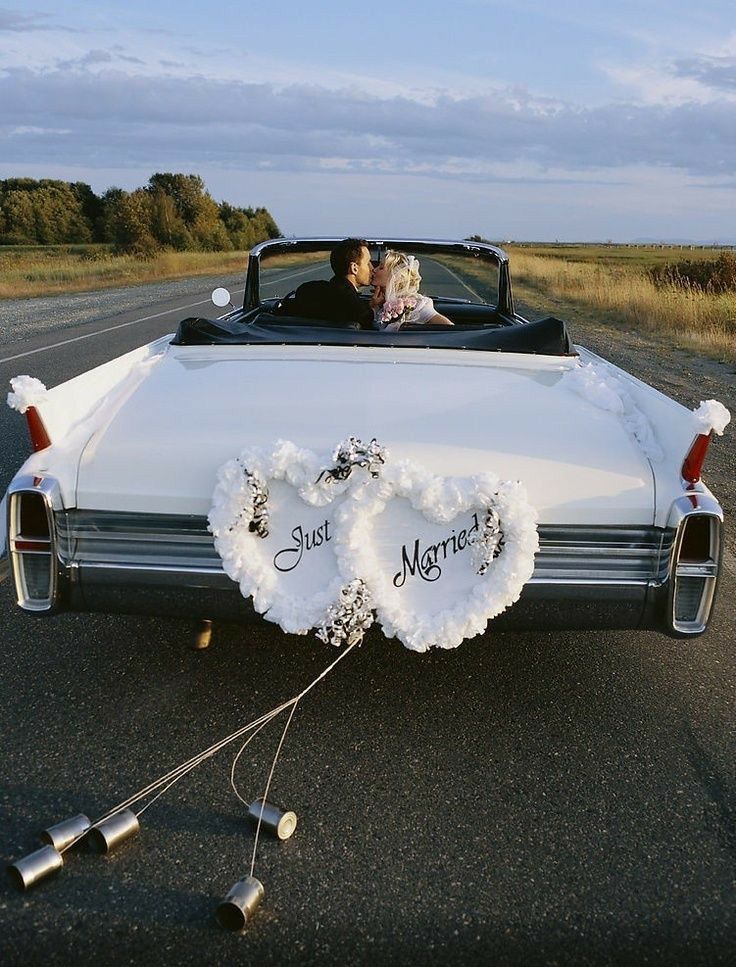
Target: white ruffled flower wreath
{"x": 238, "y": 543}
{"x": 441, "y": 500}
{"x": 503, "y": 554}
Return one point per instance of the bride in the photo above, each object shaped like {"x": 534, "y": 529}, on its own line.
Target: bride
{"x": 396, "y": 301}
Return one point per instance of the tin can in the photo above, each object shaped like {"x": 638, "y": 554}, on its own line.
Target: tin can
{"x": 65, "y": 832}
{"x": 281, "y": 823}
{"x": 108, "y": 834}
{"x": 240, "y": 904}
{"x": 35, "y": 867}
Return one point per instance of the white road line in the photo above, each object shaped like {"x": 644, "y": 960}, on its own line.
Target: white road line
{"x": 457, "y": 278}
{"x": 100, "y": 332}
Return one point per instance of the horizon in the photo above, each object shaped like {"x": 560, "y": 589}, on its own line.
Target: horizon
{"x": 611, "y": 124}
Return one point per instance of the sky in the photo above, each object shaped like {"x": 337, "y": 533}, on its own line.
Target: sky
{"x": 512, "y": 119}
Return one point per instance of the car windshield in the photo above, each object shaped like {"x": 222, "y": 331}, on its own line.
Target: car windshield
{"x": 460, "y": 276}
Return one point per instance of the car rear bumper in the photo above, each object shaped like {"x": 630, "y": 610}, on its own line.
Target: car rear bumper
{"x": 585, "y": 577}
{"x": 543, "y": 607}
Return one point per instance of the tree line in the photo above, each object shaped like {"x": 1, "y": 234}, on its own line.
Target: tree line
{"x": 172, "y": 211}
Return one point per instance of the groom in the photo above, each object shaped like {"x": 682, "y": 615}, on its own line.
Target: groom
{"x": 338, "y": 300}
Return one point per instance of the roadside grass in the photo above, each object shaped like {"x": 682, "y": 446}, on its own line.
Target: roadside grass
{"x": 620, "y": 293}
{"x": 284, "y": 259}
{"x": 641, "y": 256}
{"x": 27, "y": 271}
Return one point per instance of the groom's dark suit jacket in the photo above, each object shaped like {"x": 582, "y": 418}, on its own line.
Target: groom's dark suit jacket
{"x": 337, "y": 301}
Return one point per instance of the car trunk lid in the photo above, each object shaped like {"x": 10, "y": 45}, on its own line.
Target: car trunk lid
{"x": 457, "y": 413}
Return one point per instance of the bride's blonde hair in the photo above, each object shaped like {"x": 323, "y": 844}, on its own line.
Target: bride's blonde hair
{"x": 404, "y": 277}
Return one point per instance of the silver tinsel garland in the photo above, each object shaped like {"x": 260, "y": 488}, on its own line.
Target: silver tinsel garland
{"x": 259, "y": 523}
{"x": 353, "y": 453}
{"x": 489, "y": 544}
{"x": 257, "y": 508}
{"x": 346, "y": 623}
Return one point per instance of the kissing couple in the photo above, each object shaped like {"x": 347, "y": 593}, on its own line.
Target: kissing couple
{"x": 395, "y": 303}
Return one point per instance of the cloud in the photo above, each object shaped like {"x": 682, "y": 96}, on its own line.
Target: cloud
{"x": 89, "y": 59}
{"x": 15, "y": 22}
{"x": 12, "y": 20}
{"x": 23, "y": 131}
{"x": 94, "y": 57}
{"x": 161, "y": 120}
{"x": 718, "y": 73}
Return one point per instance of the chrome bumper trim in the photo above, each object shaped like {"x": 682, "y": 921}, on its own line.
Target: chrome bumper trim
{"x": 584, "y": 576}
{"x": 190, "y": 577}
{"x": 182, "y": 547}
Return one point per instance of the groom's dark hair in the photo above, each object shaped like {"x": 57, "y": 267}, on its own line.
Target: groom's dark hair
{"x": 344, "y": 253}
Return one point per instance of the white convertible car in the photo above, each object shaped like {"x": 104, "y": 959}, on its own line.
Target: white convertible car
{"x": 500, "y": 470}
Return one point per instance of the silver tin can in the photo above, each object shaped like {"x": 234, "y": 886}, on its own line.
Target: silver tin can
{"x": 240, "y": 904}
{"x": 35, "y": 867}
{"x": 108, "y": 834}
{"x": 65, "y": 832}
{"x": 279, "y": 822}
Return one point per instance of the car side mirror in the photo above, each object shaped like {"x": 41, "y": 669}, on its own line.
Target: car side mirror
{"x": 221, "y": 298}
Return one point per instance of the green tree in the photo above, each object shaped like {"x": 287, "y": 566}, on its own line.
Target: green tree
{"x": 172, "y": 211}
{"x": 194, "y": 206}
{"x": 186, "y": 191}
{"x": 128, "y": 222}
{"x": 264, "y": 225}
{"x": 92, "y": 208}
{"x": 19, "y": 216}
{"x": 110, "y": 202}
{"x": 45, "y": 211}
{"x": 212, "y": 236}
{"x": 59, "y": 214}
{"x": 238, "y": 225}
{"x": 166, "y": 224}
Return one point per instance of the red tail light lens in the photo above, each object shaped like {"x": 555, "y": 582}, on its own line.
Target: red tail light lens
{"x": 696, "y": 541}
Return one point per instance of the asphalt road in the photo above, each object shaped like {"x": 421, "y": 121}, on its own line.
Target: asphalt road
{"x": 524, "y": 799}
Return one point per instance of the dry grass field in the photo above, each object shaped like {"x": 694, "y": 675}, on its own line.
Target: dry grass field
{"x": 612, "y": 283}
{"x": 36, "y": 270}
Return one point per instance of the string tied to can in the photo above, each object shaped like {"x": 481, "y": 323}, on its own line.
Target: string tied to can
{"x": 123, "y": 820}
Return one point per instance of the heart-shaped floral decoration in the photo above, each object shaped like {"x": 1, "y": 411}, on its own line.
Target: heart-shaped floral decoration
{"x": 272, "y": 518}
{"x": 439, "y": 556}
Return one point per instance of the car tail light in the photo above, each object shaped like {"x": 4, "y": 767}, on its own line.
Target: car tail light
{"x": 692, "y": 465}
{"x": 32, "y": 550}
{"x": 697, "y": 559}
